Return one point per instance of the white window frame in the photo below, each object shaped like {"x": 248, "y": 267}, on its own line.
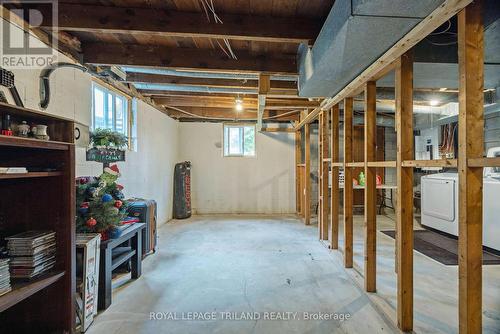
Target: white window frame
{"x": 111, "y": 124}
{"x": 242, "y": 139}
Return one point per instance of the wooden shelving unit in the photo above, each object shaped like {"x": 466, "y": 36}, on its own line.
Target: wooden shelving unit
{"x": 22, "y": 290}
{"x": 29, "y": 175}
{"x": 40, "y": 201}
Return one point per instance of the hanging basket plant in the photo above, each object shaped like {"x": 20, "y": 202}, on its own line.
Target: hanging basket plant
{"x": 106, "y": 146}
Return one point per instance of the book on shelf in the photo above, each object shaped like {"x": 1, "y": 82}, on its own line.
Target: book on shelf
{"x": 4, "y": 276}
{"x": 31, "y": 253}
{"x": 13, "y": 170}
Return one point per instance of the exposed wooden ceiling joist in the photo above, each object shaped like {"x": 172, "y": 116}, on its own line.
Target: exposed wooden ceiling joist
{"x": 108, "y": 19}
{"x": 213, "y": 113}
{"x": 205, "y": 82}
{"x": 278, "y": 94}
{"x": 229, "y": 102}
{"x": 185, "y": 58}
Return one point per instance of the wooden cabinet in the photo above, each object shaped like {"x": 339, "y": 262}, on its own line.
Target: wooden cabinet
{"x": 40, "y": 200}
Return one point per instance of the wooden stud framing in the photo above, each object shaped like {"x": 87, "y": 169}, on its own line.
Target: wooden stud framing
{"x": 335, "y": 196}
{"x": 370, "y": 187}
{"x": 264, "y": 87}
{"x": 324, "y": 208}
{"x": 298, "y": 161}
{"x": 404, "y": 208}
{"x": 307, "y": 175}
{"x": 470, "y": 179}
{"x": 348, "y": 189}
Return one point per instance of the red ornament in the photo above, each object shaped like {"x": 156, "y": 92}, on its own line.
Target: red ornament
{"x": 118, "y": 204}
{"x": 84, "y": 205}
{"x": 91, "y": 222}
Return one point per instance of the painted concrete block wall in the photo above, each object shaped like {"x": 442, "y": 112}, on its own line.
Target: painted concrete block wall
{"x": 261, "y": 184}
{"x": 147, "y": 173}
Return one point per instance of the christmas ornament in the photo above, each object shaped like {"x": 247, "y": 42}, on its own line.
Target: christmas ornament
{"x": 118, "y": 204}
{"x": 117, "y": 194}
{"x": 83, "y": 210}
{"x": 106, "y": 198}
{"x": 114, "y": 233}
{"x": 91, "y": 222}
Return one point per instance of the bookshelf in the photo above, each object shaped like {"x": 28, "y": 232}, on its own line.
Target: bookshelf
{"x": 40, "y": 200}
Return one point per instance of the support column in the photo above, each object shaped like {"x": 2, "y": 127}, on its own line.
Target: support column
{"x": 307, "y": 176}
{"x": 470, "y": 179}
{"x": 335, "y": 196}
{"x": 298, "y": 161}
{"x": 404, "y": 208}
{"x": 348, "y": 189}
{"x": 370, "y": 187}
{"x": 323, "y": 179}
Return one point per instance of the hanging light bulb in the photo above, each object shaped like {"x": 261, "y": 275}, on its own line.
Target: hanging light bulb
{"x": 238, "y": 104}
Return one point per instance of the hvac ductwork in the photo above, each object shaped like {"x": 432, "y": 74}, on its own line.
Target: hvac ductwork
{"x": 355, "y": 34}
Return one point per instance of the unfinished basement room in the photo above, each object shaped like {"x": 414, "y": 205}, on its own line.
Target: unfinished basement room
{"x": 249, "y": 166}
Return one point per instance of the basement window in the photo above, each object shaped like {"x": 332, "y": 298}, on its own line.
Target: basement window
{"x": 239, "y": 140}
{"x": 110, "y": 110}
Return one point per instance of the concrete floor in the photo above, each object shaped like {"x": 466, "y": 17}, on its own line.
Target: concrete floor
{"x": 435, "y": 284}
{"x": 240, "y": 264}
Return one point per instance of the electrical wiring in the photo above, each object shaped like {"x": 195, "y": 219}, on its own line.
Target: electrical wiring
{"x": 208, "y": 6}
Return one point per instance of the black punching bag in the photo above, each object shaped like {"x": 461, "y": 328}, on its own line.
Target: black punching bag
{"x": 182, "y": 190}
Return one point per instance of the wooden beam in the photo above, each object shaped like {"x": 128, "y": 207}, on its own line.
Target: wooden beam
{"x": 484, "y": 162}
{"x": 380, "y": 67}
{"x": 205, "y": 82}
{"x": 307, "y": 180}
{"x": 227, "y": 114}
{"x": 382, "y": 164}
{"x": 284, "y": 130}
{"x": 185, "y": 58}
{"x": 273, "y": 93}
{"x": 264, "y": 86}
{"x": 470, "y": 179}
{"x": 298, "y": 161}
{"x": 348, "y": 190}
{"x": 404, "y": 207}
{"x": 209, "y": 101}
{"x": 159, "y": 22}
{"x": 335, "y": 195}
{"x": 370, "y": 197}
{"x": 324, "y": 173}
{"x": 449, "y": 163}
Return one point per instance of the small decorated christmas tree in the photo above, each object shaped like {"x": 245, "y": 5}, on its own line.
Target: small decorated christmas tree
{"x": 99, "y": 203}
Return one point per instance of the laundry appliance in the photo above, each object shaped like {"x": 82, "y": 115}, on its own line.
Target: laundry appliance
{"x": 440, "y": 203}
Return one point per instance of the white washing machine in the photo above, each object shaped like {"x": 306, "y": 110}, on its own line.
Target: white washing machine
{"x": 440, "y": 206}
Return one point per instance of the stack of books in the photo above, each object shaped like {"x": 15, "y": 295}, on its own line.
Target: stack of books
{"x": 4, "y": 276}
{"x": 31, "y": 253}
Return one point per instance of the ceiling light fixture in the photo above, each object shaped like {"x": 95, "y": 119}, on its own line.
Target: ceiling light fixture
{"x": 433, "y": 103}
{"x": 238, "y": 104}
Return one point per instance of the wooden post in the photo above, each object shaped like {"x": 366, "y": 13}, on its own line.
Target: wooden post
{"x": 470, "y": 179}
{"x": 404, "y": 208}
{"x": 307, "y": 176}
{"x": 320, "y": 175}
{"x": 335, "y": 196}
{"x": 298, "y": 161}
{"x": 370, "y": 187}
{"x": 348, "y": 189}
{"x": 324, "y": 171}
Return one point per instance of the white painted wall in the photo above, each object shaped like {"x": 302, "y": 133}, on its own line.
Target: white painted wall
{"x": 261, "y": 184}
{"x": 147, "y": 173}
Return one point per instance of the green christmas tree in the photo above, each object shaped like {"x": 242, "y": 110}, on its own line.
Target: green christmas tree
{"x": 99, "y": 202}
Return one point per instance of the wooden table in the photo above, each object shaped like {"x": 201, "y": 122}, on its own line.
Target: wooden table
{"x": 110, "y": 261}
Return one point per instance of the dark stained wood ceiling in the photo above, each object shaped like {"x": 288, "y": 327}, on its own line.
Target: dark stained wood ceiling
{"x": 264, "y": 36}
